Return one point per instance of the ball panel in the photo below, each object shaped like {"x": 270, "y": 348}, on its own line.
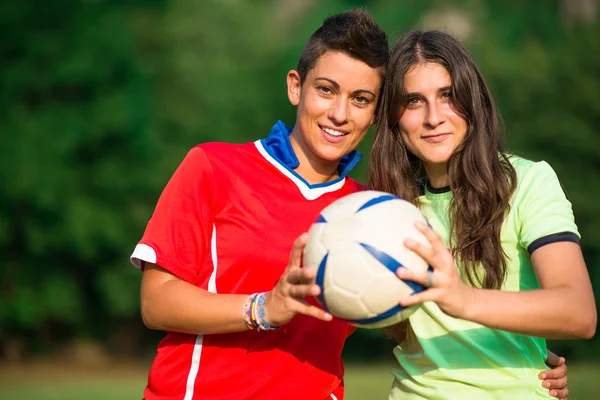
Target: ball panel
{"x": 349, "y": 205}
{"x": 392, "y": 265}
{"x": 386, "y": 289}
{"x": 384, "y": 294}
{"x": 387, "y": 225}
{"x": 345, "y": 303}
{"x": 389, "y": 313}
{"x": 348, "y": 267}
{"x": 340, "y": 232}
{"x": 391, "y": 320}
{"x": 345, "y": 271}
{"x": 377, "y": 200}
{"x": 314, "y": 251}
{"x": 320, "y": 280}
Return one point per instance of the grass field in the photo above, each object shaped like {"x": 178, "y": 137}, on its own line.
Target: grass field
{"x": 126, "y": 382}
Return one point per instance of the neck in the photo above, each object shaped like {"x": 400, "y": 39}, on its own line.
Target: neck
{"x": 437, "y": 175}
{"x": 311, "y": 168}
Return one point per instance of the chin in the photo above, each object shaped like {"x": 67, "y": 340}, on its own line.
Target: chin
{"x": 438, "y": 158}
{"x": 333, "y": 155}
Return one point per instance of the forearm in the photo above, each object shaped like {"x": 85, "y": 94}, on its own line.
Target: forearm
{"x": 178, "y": 306}
{"x": 553, "y": 313}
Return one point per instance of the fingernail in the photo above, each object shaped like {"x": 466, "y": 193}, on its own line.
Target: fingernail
{"x": 546, "y": 384}
{"x": 420, "y": 224}
{"x": 543, "y": 376}
{"x": 409, "y": 242}
{"x": 328, "y": 317}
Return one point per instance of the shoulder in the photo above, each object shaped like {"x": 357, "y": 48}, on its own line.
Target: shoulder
{"x": 538, "y": 188}
{"x": 540, "y": 205}
{"x": 219, "y": 153}
{"x": 222, "y": 150}
{"x": 530, "y": 172}
{"x": 523, "y": 165}
{"x": 537, "y": 185}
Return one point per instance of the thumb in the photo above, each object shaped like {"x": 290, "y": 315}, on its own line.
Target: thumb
{"x": 553, "y": 360}
{"x": 297, "y": 250}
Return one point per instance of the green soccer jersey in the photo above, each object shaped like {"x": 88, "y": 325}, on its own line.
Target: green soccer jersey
{"x": 448, "y": 358}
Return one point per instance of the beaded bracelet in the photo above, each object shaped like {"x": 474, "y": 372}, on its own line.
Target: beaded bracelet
{"x": 248, "y": 311}
{"x": 253, "y": 312}
{"x": 262, "y": 322}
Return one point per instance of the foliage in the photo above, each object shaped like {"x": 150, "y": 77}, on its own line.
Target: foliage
{"x": 101, "y": 100}
{"x": 75, "y": 113}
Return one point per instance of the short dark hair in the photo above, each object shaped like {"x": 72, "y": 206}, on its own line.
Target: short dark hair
{"x": 353, "y": 33}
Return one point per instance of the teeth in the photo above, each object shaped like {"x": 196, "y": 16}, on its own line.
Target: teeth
{"x": 333, "y": 132}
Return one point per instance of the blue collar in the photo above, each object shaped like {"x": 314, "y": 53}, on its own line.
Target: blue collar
{"x": 279, "y": 147}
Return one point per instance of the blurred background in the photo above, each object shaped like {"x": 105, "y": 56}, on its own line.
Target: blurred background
{"x": 101, "y": 99}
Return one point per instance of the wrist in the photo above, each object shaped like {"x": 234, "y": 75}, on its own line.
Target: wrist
{"x": 264, "y": 322}
{"x": 470, "y": 307}
{"x": 267, "y": 307}
{"x": 254, "y": 313}
{"x": 249, "y": 312}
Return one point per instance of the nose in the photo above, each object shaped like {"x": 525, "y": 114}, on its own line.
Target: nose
{"x": 435, "y": 116}
{"x": 338, "y": 112}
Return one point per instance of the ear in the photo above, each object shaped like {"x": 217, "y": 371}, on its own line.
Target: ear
{"x": 294, "y": 87}
{"x": 373, "y": 119}
{"x": 378, "y": 104}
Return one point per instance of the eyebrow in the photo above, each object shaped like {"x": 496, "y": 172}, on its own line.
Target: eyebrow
{"x": 337, "y": 86}
{"x": 442, "y": 89}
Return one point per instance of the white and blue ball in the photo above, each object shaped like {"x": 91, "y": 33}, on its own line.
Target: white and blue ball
{"x": 356, "y": 245}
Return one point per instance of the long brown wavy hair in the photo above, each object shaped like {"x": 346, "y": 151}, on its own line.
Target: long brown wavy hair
{"x": 481, "y": 177}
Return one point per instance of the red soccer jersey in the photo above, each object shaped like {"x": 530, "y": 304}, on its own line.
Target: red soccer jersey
{"x": 226, "y": 222}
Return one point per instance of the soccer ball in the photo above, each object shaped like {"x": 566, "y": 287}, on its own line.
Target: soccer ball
{"x": 356, "y": 245}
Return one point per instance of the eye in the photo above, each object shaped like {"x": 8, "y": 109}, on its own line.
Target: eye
{"x": 361, "y": 100}
{"x": 447, "y": 95}
{"x": 412, "y": 102}
{"x": 324, "y": 90}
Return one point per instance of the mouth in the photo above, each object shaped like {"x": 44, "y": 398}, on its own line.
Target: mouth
{"x": 436, "y": 138}
{"x": 334, "y": 132}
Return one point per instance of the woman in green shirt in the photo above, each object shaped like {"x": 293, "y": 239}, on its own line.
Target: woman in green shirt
{"x": 507, "y": 269}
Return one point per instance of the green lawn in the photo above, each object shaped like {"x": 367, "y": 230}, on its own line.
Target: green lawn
{"x": 126, "y": 383}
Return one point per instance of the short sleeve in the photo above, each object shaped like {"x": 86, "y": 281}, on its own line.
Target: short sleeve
{"x": 177, "y": 237}
{"x": 545, "y": 215}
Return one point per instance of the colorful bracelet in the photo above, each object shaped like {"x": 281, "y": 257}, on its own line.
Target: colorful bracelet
{"x": 253, "y": 312}
{"x": 248, "y": 312}
{"x": 262, "y": 322}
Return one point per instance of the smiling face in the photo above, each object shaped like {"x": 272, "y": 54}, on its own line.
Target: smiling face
{"x": 430, "y": 126}
{"x": 336, "y": 105}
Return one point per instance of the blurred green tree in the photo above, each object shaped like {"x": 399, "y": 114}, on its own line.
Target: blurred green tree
{"x": 76, "y": 110}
